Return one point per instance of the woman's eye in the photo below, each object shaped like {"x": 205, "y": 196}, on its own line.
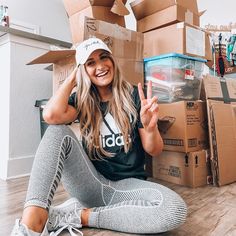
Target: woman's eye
{"x": 90, "y": 63}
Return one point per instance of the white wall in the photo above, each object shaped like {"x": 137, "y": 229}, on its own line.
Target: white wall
{"x": 49, "y": 15}
{"x": 219, "y": 12}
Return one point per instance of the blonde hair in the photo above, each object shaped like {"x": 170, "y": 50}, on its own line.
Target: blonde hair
{"x": 121, "y": 106}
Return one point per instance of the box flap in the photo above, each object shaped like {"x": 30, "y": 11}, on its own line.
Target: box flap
{"x": 74, "y": 6}
{"x": 221, "y": 89}
{"x": 52, "y": 56}
{"x": 202, "y": 12}
{"x": 191, "y": 5}
{"x": 142, "y": 8}
{"x": 119, "y": 8}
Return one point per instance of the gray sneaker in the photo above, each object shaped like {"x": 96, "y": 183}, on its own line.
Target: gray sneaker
{"x": 65, "y": 216}
{"x": 22, "y": 230}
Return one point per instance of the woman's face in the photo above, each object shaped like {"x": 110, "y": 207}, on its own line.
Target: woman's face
{"x": 100, "y": 68}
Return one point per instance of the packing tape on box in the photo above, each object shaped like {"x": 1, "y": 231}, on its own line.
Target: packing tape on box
{"x": 188, "y": 17}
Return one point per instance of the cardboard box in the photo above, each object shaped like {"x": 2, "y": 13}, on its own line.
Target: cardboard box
{"x": 143, "y": 8}
{"x": 183, "y": 126}
{"x": 168, "y": 16}
{"x": 124, "y": 43}
{"x": 222, "y": 136}
{"x": 220, "y": 89}
{"x": 74, "y": 6}
{"x": 77, "y": 21}
{"x": 63, "y": 64}
{"x": 177, "y": 38}
{"x": 188, "y": 169}
{"x": 107, "y": 10}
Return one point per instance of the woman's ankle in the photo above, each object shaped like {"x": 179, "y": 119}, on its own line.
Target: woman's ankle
{"x": 34, "y": 218}
{"x": 85, "y": 216}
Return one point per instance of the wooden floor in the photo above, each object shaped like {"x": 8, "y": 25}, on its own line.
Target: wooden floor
{"x": 211, "y": 210}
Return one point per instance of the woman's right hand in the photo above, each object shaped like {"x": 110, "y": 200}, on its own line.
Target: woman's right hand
{"x": 72, "y": 77}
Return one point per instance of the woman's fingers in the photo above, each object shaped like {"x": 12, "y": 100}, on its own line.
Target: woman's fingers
{"x": 153, "y": 121}
{"x": 149, "y": 90}
{"x": 154, "y": 107}
{"x": 140, "y": 92}
{"x": 151, "y": 105}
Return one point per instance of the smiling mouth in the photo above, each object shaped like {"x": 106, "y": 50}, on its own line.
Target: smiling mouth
{"x": 102, "y": 74}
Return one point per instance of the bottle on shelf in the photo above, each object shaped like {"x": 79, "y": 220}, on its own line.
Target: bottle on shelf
{"x": 4, "y": 17}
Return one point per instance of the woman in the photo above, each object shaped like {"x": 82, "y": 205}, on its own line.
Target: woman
{"x": 101, "y": 160}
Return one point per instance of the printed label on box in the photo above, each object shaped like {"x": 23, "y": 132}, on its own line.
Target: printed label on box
{"x": 189, "y": 74}
{"x": 195, "y": 41}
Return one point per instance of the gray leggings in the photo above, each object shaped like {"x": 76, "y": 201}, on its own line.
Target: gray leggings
{"x": 130, "y": 205}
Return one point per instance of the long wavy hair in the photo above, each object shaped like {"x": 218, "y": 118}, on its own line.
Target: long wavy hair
{"x": 121, "y": 106}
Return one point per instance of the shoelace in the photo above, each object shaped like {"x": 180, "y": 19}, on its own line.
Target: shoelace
{"x": 61, "y": 221}
{"x": 70, "y": 228}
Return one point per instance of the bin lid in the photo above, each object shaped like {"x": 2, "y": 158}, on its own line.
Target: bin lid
{"x": 174, "y": 55}
{"x": 40, "y": 103}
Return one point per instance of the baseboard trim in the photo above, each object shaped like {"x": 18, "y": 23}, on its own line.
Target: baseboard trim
{"x": 19, "y": 167}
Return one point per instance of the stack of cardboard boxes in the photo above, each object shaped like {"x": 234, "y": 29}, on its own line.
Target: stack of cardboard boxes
{"x": 172, "y": 27}
{"x": 165, "y": 26}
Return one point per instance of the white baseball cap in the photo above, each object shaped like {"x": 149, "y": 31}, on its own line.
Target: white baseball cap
{"x": 84, "y": 50}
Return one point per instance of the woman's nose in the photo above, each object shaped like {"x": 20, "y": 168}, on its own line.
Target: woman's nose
{"x": 100, "y": 65}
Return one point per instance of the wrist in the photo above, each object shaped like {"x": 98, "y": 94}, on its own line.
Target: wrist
{"x": 151, "y": 130}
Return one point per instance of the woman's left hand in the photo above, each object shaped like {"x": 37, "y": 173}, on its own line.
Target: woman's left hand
{"x": 149, "y": 108}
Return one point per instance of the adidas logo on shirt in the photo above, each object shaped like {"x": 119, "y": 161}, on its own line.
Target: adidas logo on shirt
{"x": 110, "y": 134}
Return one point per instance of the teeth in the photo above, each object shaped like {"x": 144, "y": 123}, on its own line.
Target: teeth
{"x": 102, "y": 74}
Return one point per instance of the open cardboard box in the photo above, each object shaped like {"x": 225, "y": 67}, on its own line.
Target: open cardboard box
{"x": 112, "y": 11}
{"x": 178, "y": 38}
{"x": 168, "y": 16}
{"x": 143, "y": 8}
{"x": 74, "y": 6}
{"x": 100, "y": 13}
{"x": 153, "y": 14}
{"x": 221, "y": 108}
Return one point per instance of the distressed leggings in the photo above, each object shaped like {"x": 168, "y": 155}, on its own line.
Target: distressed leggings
{"x": 130, "y": 205}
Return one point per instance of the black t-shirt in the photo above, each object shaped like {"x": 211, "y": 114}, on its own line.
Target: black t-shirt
{"x": 121, "y": 165}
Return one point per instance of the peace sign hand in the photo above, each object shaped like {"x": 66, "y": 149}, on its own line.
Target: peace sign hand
{"x": 149, "y": 108}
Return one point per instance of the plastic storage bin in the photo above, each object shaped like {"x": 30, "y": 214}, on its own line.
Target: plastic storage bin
{"x": 43, "y": 125}
{"x": 175, "y": 76}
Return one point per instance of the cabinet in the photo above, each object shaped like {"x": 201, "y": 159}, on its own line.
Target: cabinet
{"x": 21, "y": 86}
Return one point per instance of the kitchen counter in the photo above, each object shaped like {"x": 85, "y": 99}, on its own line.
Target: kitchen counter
{"x": 6, "y": 30}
